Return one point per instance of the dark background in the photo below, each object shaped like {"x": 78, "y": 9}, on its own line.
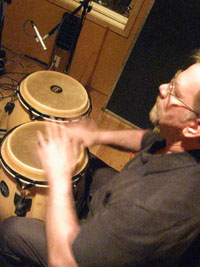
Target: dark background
{"x": 170, "y": 33}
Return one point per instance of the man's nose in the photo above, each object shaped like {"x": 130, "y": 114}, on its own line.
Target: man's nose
{"x": 164, "y": 90}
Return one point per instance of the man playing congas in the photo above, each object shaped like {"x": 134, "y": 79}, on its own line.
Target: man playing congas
{"x": 146, "y": 215}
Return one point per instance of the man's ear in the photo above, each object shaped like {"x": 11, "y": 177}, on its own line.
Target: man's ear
{"x": 192, "y": 130}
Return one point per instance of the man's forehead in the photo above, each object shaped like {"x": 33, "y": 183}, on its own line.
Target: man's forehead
{"x": 190, "y": 75}
{"x": 193, "y": 69}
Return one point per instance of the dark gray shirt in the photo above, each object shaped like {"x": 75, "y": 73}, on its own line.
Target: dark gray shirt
{"x": 147, "y": 215}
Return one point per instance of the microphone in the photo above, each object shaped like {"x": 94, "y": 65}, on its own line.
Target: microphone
{"x": 39, "y": 37}
{"x": 50, "y": 33}
{"x": 43, "y": 38}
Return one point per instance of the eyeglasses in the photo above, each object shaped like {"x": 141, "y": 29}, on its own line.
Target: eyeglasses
{"x": 172, "y": 91}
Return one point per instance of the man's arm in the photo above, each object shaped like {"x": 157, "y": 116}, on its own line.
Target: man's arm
{"x": 129, "y": 140}
{"x": 62, "y": 226}
{"x": 58, "y": 156}
{"x": 88, "y": 136}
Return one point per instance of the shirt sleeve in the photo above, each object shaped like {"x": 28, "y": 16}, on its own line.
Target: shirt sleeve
{"x": 150, "y": 137}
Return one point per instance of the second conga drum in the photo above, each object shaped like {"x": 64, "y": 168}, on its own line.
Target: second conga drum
{"x": 46, "y": 94}
{"x": 23, "y": 187}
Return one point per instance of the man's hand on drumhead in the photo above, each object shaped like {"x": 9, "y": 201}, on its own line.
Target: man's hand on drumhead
{"x": 84, "y": 133}
{"x": 58, "y": 153}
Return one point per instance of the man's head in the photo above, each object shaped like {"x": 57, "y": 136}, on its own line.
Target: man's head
{"x": 178, "y": 104}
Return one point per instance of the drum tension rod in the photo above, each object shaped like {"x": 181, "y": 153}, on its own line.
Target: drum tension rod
{"x": 32, "y": 116}
{"x": 22, "y": 204}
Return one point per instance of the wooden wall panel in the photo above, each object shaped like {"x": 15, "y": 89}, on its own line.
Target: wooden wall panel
{"x": 100, "y": 53}
{"x": 45, "y": 16}
{"x": 115, "y": 52}
{"x": 110, "y": 62}
{"x": 87, "y": 52}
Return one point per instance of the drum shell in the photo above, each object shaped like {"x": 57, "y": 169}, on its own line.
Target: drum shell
{"x": 9, "y": 190}
{"x": 19, "y": 175}
{"x": 18, "y": 116}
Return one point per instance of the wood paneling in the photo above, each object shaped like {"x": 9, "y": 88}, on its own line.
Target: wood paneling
{"x": 44, "y": 15}
{"x": 100, "y": 53}
{"x": 87, "y": 53}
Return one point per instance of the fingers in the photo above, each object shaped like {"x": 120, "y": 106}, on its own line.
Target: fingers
{"x": 71, "y": 138}
{"x": 58, "y": 149}
{"x": 43, "y": 145}
{"x": 55, "y": 135}
{"x": 56, "y": 129}
{"x": 51, "y": 130}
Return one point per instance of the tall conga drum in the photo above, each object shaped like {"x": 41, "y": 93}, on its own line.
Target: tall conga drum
{"x": 23, "y": 187}
{"x": 46, "y": 94}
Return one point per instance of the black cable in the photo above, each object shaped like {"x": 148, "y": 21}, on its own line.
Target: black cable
{"x": 3, "y": 11}
{"x": 17, "y": 62}
{"x": 7, "y": 87}
{"x": 25, "y": 23}
{"x": 37, "y": 60}
{"x": 20, "y": 73}
{"x": 12, "y": 79}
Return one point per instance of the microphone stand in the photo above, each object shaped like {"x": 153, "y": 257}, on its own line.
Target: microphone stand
{"x": 86, "y": 8}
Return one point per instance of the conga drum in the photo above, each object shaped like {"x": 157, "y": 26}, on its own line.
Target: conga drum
{"x": 47, "y": 94}
{"x": 23, "y": 187}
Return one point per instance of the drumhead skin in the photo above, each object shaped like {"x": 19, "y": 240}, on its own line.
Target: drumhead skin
{"x": 54, "y": 94}
{"x": 19, "y": 153}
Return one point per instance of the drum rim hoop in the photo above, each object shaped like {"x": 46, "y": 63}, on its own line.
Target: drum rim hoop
{"x": 76, "y": 178}
{"x": 39, "y": 114}
{"x": 36, "y": 112}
